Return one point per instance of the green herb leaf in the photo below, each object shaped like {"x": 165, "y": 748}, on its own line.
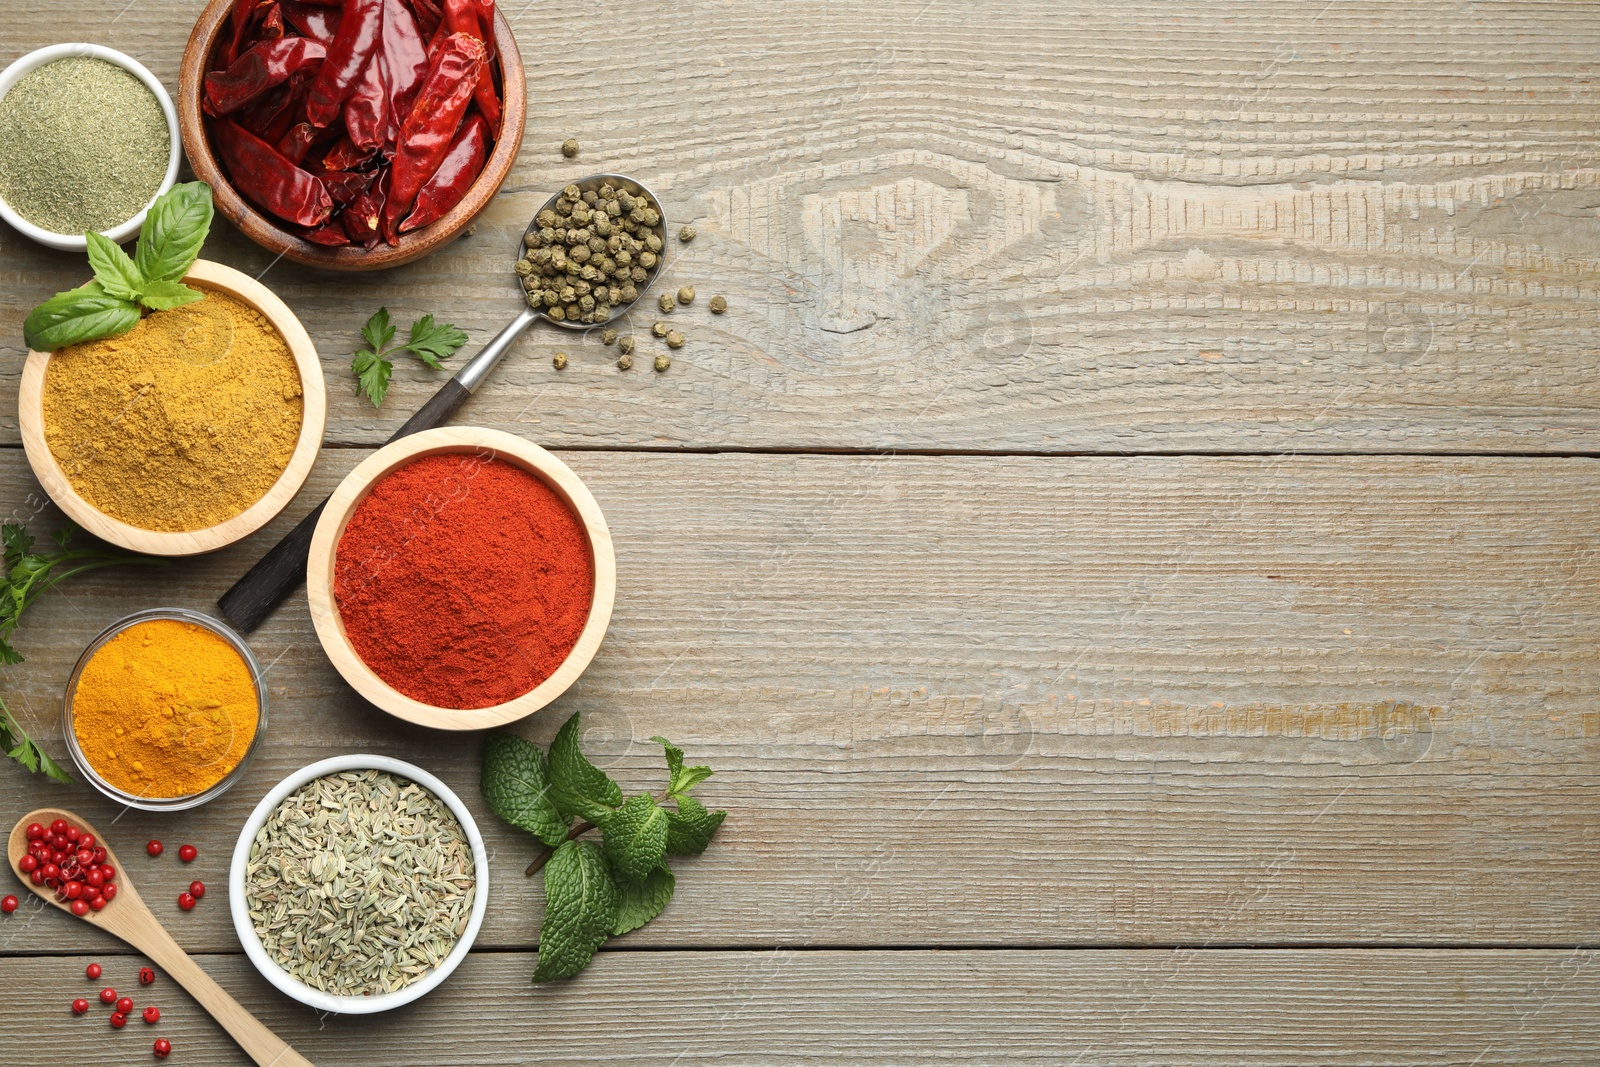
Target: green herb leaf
{"x": 634, "y": 838}
{"x": 173, "y": 231}
{"x": 28, "y": 574}
{"x": 164, "y": 296}
{"x": 378, "y": 332}
{"x": 112, "y": 268}
{"x": 577, "y": 786}
{"x": 431, "y": 343}
{"x": 516, "y": 783}
{"x": 639, "y": 902}
{"x": 580, "y": 909}
{"x": 689, "y": 829}
{"x": 681, "y": 779}
{"x": 82, "y": 314}
{"x": 372, "y": 375}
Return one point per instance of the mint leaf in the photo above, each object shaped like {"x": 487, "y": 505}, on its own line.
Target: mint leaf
{"x": 164, "y": 296}
{"x": 372, "y": 375}
{"x": 431, "y": 343}
{"x": 639, "y": 902}
{"x": 681, "y": 779}
{"x": 580, "y": 909}
{"x": 577, "y": 786}
{"x": 112, "y": 268}
{"x": 516, "y": 784}
{"x": 634, "y": 838}
{"x": 689, "y": 829}
{"x": 82, "y": 314}
{"x": 173, "y": 231}
{"x": 378, "y": 332}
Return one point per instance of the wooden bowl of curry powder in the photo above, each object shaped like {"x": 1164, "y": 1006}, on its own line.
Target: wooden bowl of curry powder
{"x": 187, "y": 433}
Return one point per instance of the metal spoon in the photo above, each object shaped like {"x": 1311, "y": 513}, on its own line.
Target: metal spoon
{"x": 283, "y": 568}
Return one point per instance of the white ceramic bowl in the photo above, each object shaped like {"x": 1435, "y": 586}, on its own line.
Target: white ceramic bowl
{"x": 246, "y": 930}
{"x": 39, "y": 57}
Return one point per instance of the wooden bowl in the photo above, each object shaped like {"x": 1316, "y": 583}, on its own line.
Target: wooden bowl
{"x": 266, "y": 231}
{"x": 354, "y": 489}
{"x": 314, "y": 413}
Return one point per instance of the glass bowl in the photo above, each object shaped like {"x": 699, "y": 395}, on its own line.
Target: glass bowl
{"x": 193, "y": 800}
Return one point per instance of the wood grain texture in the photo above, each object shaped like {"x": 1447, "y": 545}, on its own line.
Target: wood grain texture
{"x": 1087, "y": 1008}
{"x": 1236, "y": 226}
{"x": 1014, "y": 701}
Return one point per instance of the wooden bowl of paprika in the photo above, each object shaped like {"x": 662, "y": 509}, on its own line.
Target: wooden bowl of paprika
{"x": 461, "y": 578}
{"x": 282, "y": 202}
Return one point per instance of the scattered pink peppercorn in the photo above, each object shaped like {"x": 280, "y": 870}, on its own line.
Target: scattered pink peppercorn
{"x": 80, "y": 1006}
{"x": 186, "y": 901}
{"x": 118, "y": 1020}
{"x": 152, "y": 1015}
{"x": 108, "y": 995}
{"x": 146, "y": 976}
{"x": 197, "y": 889}
{"x": 162, "y": 1048}
{"x": 8, "y": 904}
{"x": 154, "y": 847}
{"x": 187, "y": 853}
{"x": 93, "y": 971}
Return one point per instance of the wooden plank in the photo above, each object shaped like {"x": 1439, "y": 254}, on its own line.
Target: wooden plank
{"x": 1243, "y": 1008}
{"x": 1044, "y": 227}
{"x": 1019, "y": 701}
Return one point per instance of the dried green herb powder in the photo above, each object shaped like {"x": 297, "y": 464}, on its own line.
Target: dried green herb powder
{"x": 83, "y": 145}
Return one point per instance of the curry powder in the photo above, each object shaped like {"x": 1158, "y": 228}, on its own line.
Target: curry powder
{"x": 181, "y": 423}
{"x": 165, "y": 708}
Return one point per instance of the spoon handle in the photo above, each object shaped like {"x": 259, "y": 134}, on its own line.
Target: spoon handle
{"x": 283, "y": 568}
{"x": 259, "y": 1043}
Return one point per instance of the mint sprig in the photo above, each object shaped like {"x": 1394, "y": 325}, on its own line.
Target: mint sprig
{"x": 593, "y": 890}
{"x": 169, "y": 242}
{"x": 430, "y": 342}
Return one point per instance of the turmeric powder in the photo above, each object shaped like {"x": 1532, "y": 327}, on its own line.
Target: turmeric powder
{"x": 165, "y": 708}
{"x": 181, "y": 423}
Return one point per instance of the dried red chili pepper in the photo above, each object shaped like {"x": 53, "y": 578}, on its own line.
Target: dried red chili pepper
{"x": 271, "y": 21}
{"x": 345, "y": 156}
{"x": 476, "y": 17}
{"x": 430, "y": 127}
{"x": 266, "y": 65}
{"x": 428, "y": 16}
{"x": 296, "y": 142}
{"x": 366, "y": 110}
{"x": 345, "y": 185}
{"x": 260, "y": 172}
{"x": 461, "y": 167}
{"x": 405, "y": 59}
{"x": 272, "y": 127}
{"x": 363, "y": 217}
{"x": 330, "y": 234}
{"x": 319, "y": 23}
{"x": 239, "y": 18}
{"x": 360, "y": 29}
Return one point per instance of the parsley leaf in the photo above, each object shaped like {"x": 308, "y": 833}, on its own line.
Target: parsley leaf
{"x": 429, "y": 342}
{"x": 580, "y": 910}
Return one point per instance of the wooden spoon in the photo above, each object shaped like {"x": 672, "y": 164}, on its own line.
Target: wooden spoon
{"x": 128, "y": 918}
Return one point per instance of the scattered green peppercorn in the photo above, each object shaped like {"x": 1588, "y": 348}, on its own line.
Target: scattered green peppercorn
{"x": 718, "y": 305}
{"x": 665, "y": 303}
{"x": 687, "y": 234}
{"x": 560, "y": 361}
{"x": 626, "y": 345}
{"x": 659, "y": 329}
{"x": 674, "y": 339}
{"x": 608, "y": 337}
{"x": 625, "y": 362}
{"x": 662, "y": 363}
{"x": 569, "y": 148}
{"x": 686, "y": 295}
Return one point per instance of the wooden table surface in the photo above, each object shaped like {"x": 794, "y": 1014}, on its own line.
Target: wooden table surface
{"x": 1129, "y": 551}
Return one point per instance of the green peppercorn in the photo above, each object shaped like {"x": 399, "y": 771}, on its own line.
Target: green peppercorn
{"x": 638, "y": 274}
{"x": 718, "y": 305}
{"x": 686, "y": 295}
{"x": 572, "y": 192}
{"x": 630, "y": 293}
{"x": 652, "y": 242}
{"x": 624, "y": 362}
{"x": 591, "y": 197}
{"x": 664, "y": 302}
{"x": 687, "y": 234}
{"x": 586, "y": 302}
{"x": 569, "y": 148}
{"x": 659, "y": 329}
{"x": 557, "y": 314}
{"x": 674, "y": 339}
{"x": 523, "y": 268}
{"x": 663, "y": 362}
{"x": 545, "y": 218}
{"x": 536, "y": 300}
{"x": 608, "y": 337}
{"x": 559, "y": 361}
{"x": 625, "y": 344}
{"x": 647, "y": 260}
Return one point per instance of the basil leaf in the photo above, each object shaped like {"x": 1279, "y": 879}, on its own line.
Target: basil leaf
{"x": 112, "y": 268}
{"x": 86, "y": 313}
{"x": 164, "y": 296}
{"x": 173, "y": 231}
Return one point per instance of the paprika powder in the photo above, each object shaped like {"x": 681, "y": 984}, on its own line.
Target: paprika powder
{"x": 463, "y": 580}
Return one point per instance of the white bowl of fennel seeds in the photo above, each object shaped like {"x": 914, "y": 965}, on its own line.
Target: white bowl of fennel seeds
{"x": 358, "y": 884}
{"x": 88, "y": 140}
